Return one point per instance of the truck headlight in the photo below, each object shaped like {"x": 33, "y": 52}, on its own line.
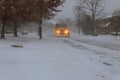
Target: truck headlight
{"x": 58, "y": 31}
{"x": 66, "y": 31}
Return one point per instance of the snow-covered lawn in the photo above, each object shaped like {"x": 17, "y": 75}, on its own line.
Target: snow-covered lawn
{"x": 57, "y": 59}
{"x": 106, "y": 41}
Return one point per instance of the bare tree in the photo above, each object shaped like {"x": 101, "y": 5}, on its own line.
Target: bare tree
{"x": 79, "y": 16}
{"x": 93, "y": 8}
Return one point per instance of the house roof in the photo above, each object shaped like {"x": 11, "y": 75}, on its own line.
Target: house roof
{"x": 106, "y": 25}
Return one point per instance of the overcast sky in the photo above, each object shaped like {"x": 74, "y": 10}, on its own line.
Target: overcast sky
{"x": 67, "y": 10}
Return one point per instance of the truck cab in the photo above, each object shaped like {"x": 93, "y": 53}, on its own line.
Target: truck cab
{"x": 61, "y": 30}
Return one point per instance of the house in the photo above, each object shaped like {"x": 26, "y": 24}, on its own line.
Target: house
{"x": 109, "y": 25}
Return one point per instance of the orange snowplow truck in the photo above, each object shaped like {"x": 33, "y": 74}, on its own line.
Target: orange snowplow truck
{"x": 61, "y": 30}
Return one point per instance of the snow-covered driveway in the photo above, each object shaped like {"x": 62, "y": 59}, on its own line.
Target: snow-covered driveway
{"x": 54, "y": 59}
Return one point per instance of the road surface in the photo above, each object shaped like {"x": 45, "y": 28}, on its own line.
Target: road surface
{"x": 57, "y": 59}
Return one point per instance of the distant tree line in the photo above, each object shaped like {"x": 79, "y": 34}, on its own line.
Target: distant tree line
{"x": 17, "y": 11}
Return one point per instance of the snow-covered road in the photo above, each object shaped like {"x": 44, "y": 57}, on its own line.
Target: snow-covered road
{"x": 57, "y": 59}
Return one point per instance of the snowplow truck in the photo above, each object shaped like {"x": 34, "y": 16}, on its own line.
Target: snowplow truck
{"x": 61, "y": 30}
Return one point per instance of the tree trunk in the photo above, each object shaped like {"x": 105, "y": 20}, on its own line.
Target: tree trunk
{"x": 41, "y": 17}
{"x": 15, "y": 29}
{"x": 40, "y": 29}
{"x": 3, "y": 30}
{"x": 93, "y": 24}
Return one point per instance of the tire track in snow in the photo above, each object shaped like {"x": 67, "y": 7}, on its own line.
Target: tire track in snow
{"x": 107, "y": 60}
{"x": 113, "y": 59}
